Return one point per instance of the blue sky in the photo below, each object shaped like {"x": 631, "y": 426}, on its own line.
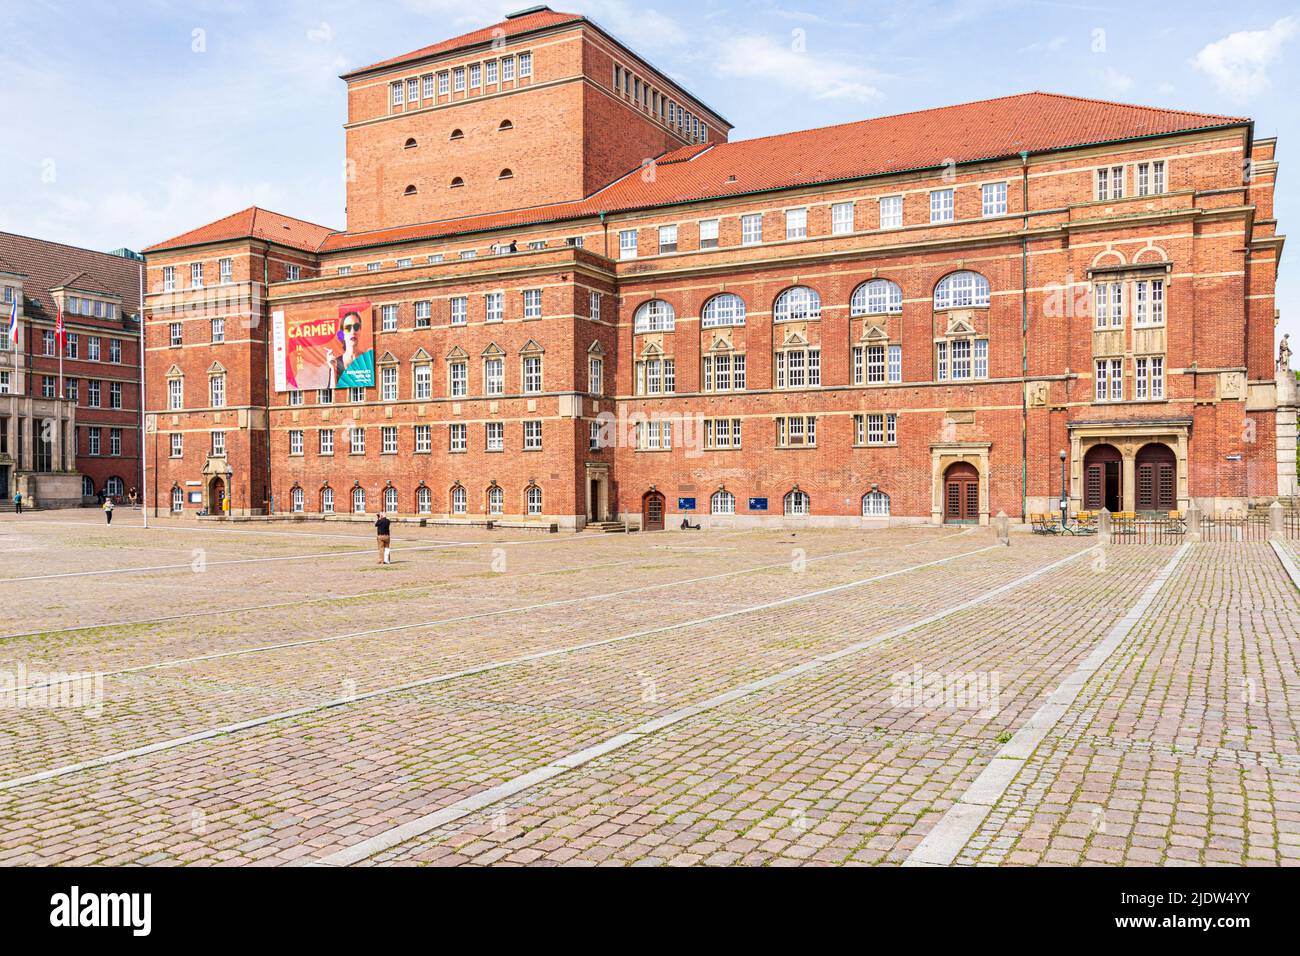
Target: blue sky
{"x": 122, "y": 124}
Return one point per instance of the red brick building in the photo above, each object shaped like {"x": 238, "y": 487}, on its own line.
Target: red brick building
{"x": 64, "y": 444}
{"x": 588, "y": 304}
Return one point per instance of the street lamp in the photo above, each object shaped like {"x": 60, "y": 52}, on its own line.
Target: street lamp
{"x": 1065, "y": 500}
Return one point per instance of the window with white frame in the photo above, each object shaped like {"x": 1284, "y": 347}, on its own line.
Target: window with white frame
{"x": 941, "y": 205}
{"x": 494, "y": 376}
{"x": 993, "y": 199}
{"x": 877, "y": 364}
{"x": 891, "y": 212}
{"x": 177, "y": 445}
{"x": 196, "y": 275}
{"x": 459, "y": 500}
{"x": 875, "y": 504}
{"x": 723, "y": 310}
{"x": 356, "y": 394}
{"x": 526, "y": 69}
{"x": 458, "y": 379}
{"x": 654, "y": 435}
{"x": 218, "y": 444}
{"x": 496, "y": 500}
{"x": 217, "y": 391}
{"x": 796, "y": 431}
{"x": 93, "y": 387}
{"x": 173, "y": 331}
{"x": 178, "y": 499}
{"x": 92, "y": 440}
{"x": 962, "y": 290}
{"x": 627, "y": 244}
{"x": 751, "y": 229}
{"x": 593, "y": 305}
{"x": 218, "y": 330}
{"x": 326, "y": 442}
{"x": 532, "y": 303}
{"x": 723, "y": 372}
{"x": 458, "y": 437}
{"x": 532, "y": 436}
{"x": 295, "y": 441}
{"x": 656, "y": 376}
{"x": 388, "y": 383}
{"x": 1151, "y": 178}
{"x": 327, "y": 501}
{"x": 494, "y": 307}
{"x": 495, "y": 436}
{"x": 388, "y": 318}
{"x": 875, "y": 428}
{"x": 961, "y": 359}
{"x": 507, "y": 68}
{"x": 532, "y": 374}
{"x": 426, "y": 86}
{"x": 1110, "y": 182}
{"x": 423, "y": 381}
{"x": 490, "y": 72}
{"x": 390, "y": 500}
{"x": 877, "y": 297}
{"x": 595, "y": 374}
{"x": 721, "y": 433}
{"x": 475, "y": 75}
{"x": 294, "y": 273}
{"x": 115, "y": 394}
{"x": 708, "y": 233}
{"x": 796, "y": 223}
{"x": 358, "y": 500}
{"x": 114, "y": 350}
{"x": 225, "y": 270}
{"x": 357, "y": 440}
{"x": 295, "y": 397}
{"x": 397, "y": 93}
{"x": 798, "y": 368}
{"x": 655, "y": 315}
{"x": 667, "y": 239}
{"x": 722, "y": 502}
{"x": 1149, "y": 302}
{"x": 175, "y": 393}
{"x": 1109, "y": 380}
{"x": 444, "y": 83}
{"x": 458, "y": 79}
{"x": 797, "y": 304}
{"x": 169, "y": 278}
{"x": 534, "y": 500}
{"x": 1108, "y": 304}
{"x": 325, "y": 396}
{"x": 797, "y": 504}
{"x": 423, "y": 500}
{"x": 841, "y": 218}
{"x": 1149, "y": 378}
{"x": 459, "y": 309}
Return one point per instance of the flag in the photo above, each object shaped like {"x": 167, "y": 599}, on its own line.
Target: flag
{"x": 13, "y": 322}
{"x": 58, "y": 328}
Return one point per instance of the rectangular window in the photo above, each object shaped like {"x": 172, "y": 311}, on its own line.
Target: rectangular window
{"x": 115, "y": 394}
{"x": 217, "y": 391}
{"x": 841, "y": 218}
{"x": 494, "y": 376}
{"x": 218, "y": 330}
{"x": 532, "y": 374}
{"x": 458, "y": 373}
{"x": 895, "y": 364}
{"x": 532, "y": 436}
{"x": 423, "y": 438}
{"x": 796, "y": 431}
{"x": 941, "y": 205}
{"x": 708, "y": 234}
{"x": 1149, "y": 302}
{"x": 326, "y": 442}
{"x": 490, "y": 72}
{"x": 496, "y": 436}
{"x": 532, "y": 303}
{"x": 593, "y": 305}
{"x": 92, "y": 441}
{"x": 507, "y": 68}
{"x": 880, "y": 429}
{"x": 114, "y": 350}
{"x": 494, "y": 307}
{"x": 627, "y": 244}
{"x": 169, "y": 279}
{"x": 595, "y": 375}
{"x": 71, "y": 344}
{"x": 225, "y": 269}
{"x": 667, "y": 239}
{"x": 218, "y": 443}
{"x": 1110, "y": 182}
{"x": 398, "y": 91}
{"x": 388, "y": 318}
{"x": 875, "y": 364}
{"x": 751, "y": 229}
{"x": 413, "y": 90}
{"x": 961, "y": 358}
{"x": 295, "y": 397}
{"x": 388, "y": 383}
{"x": 325, "y": 396}
{"x": 427, "y": 86}
{"x": 1108, "y": 304}
{"x": 458, "y": 79}
{"x": 459, "y": 441}
{"x": 174, "y": 331}
{"x": 423, "y": 382}
{"x": 796, "y": 223}
{"x": 475, "y": 76}
{"x": 891, "y": 212}
{"x": 175, "y": 387}
{"x": 525, "y": 64}
{"x": 196, "y": 275}
{"x": 295, "y": 441}
{"x": 294, "y": 273}
{"x": 444, "y": 83}
{"x": 356, "y": 394}
{"x": 459, "y": 309}
{"x": 994, "y": 199}
{"x": 423, "y": 314}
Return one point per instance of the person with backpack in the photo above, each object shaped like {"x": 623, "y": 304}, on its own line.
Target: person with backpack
{"x": 108, "y": 509}
{"x": 384, "y": 536}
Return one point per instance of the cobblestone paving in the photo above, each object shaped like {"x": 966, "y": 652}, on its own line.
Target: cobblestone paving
{"x": 270, "y": 695}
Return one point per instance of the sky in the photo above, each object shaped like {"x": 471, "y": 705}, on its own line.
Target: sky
{"x": 122, "y": 124}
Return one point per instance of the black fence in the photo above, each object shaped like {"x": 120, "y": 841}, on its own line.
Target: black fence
{"x": 1148, "y": 530}
{"x": 1255, "y": 525}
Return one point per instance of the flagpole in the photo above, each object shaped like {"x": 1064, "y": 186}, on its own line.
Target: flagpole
{"x": 144, "y": 463}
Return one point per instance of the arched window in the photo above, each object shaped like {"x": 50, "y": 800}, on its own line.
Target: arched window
{"x": 87, "y": 486}
{"x": 723, "y": 502}
{"x": 456, "y": 134}
{"x": 178, "y": 499}
{"x": 505, "y": 124}
{"x": 410, "y": 190}
{"x": 877, "y": 297}
{"x": 654, "y": 316}
{"x": 875, "y": 504}
{"x": 725, "y": 309}
{"x": 327, "y": 501}
{"x": 506, "y": 174}
{"x": 798, "y": 503}
{"x": 358, "y": 500}
{"x": 457, "y": 182}
{"x": 961, "y": 290}
{"x": 390, "y": 500}
{"x": 298, "y": 501}
{"x": 496, "y": 500}
{"x": 423, "y": 500}
{"x": 410, "y": 143}
{"x": 797, "y": 304}
{"x": 534, "y": 500}
{"x": 458, "y": 499}
{"x": 114, "y": 487}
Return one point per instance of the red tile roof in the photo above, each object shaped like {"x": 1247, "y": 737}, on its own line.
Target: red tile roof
{"x": 513, "y": 25}
{"x": 47, "y": 265}
{"x": 254, "y": 223}
{"x": 971, "y": 132}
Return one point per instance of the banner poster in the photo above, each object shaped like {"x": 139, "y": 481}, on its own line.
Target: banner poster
{"x": 315, "y": 352}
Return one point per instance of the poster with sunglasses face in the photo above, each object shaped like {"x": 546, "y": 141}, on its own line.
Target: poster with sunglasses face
{"x": 333, "y": 352}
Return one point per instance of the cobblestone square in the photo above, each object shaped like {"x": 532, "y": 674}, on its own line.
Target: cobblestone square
{"x": 266, "y": 693}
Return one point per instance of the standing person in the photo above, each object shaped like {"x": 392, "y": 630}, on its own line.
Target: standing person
{"x": 18, "y": 501}
{"x": 385, "y": 538}
{"x": 108, "y": 509}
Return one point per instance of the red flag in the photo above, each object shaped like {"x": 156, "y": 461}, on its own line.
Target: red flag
{"x": 58, "y": 326}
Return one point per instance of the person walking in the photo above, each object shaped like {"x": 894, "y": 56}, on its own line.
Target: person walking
{"x": 382, "y": 532}
{"x": 108, "y": 509}
{"x": 18, "y": 501}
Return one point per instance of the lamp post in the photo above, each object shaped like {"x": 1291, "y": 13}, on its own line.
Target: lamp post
{"x": 1065, "y": 500}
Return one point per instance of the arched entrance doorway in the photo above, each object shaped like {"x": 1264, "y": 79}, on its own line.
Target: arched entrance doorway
{"x": 961, "y": 494}
{"x": 1103, "y": 479}
{"x": 1157, "y": 478}
{"x": 652, "y": 511}
{"x": 216, "y": 496}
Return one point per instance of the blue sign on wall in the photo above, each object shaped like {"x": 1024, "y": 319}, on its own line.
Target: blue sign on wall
{"x": 685, "y": 504}
{"x": 757, "y": 504}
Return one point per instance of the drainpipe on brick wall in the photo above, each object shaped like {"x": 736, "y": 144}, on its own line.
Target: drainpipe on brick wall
{"x": 266, "y": 395}
{"x": 1024, "y": 337}
{"x": 605, "y": 226}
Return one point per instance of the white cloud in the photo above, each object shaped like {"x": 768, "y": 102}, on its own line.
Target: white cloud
{"x": 1115, "y": 81}
{"x": 1238, "y": 64}
{"x": 821, "y": 76}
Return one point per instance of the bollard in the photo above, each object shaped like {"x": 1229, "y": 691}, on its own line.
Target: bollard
{"x": 1275, "y": 525}
{"x": 1193, "y": 522}
{"x": 1103, "y": 526}
{"x": 1002, "y": 525}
